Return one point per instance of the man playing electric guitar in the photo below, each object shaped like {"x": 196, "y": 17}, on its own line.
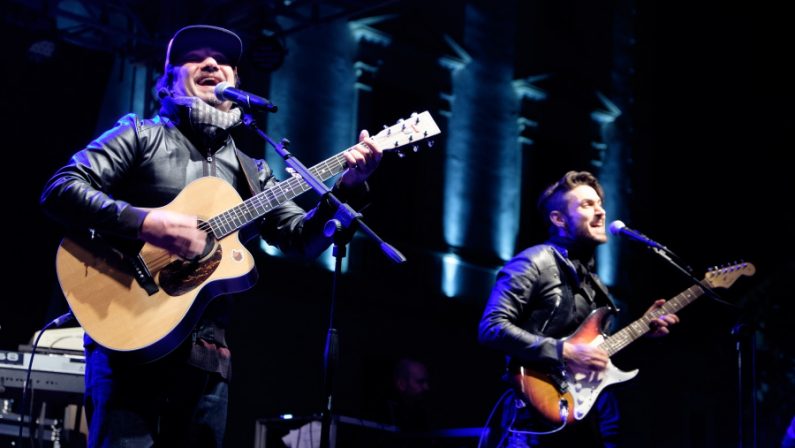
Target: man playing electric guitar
{"x": 541, "y": 296}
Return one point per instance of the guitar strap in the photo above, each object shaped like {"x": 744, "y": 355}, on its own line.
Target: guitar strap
{"x": 602, "y": 293}
{"x": 250, "y": 172}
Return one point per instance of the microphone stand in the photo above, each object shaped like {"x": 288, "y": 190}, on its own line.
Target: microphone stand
{"x": 344, "y": 218}
{"x": 745, "y": 334}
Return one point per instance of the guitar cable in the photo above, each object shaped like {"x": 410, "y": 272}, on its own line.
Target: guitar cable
{"x": 564, "y": 415}
{"x": 485, "y": 429}
{"x": 57, "y": 322}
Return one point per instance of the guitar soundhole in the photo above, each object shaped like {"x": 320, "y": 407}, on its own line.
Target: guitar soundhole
{"x": 181, "y": 276}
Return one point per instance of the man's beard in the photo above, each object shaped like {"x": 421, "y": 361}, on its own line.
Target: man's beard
{"x": 584, "y": 236}
{"x": 212, "y": 101}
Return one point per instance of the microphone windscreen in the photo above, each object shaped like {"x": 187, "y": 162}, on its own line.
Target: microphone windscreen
{"x": 616, "y": 226}
{"x": 219, "y": 90}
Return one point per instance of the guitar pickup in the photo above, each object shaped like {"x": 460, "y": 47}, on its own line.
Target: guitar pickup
{"x": 143, "y": 276}
{"x": 559, "y": 381}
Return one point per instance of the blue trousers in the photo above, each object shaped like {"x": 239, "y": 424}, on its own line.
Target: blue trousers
{"x": 167, "y": 403}
{"x": 599, "y": 429}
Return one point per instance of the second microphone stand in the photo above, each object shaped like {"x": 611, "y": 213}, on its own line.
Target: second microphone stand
{"x": 340, "y": 228}
{"x": 744, "y": 334}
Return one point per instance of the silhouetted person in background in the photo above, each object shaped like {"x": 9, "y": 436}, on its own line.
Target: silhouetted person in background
{"x": 408, "y": 404}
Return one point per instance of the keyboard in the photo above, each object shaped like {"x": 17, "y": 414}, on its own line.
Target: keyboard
{"x": 51, "y": 371}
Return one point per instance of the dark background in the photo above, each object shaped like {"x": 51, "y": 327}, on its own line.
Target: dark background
{"x": 709, "y": 176}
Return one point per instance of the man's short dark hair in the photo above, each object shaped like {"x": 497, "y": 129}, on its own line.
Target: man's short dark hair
{"x": 552, "y": 198}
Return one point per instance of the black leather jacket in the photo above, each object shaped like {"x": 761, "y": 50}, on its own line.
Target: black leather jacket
{"x": 146, "y": 163}
{"x": 531, "y": 306}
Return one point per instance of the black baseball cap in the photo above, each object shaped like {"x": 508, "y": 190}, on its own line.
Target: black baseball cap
{"x": 193, "y": 37}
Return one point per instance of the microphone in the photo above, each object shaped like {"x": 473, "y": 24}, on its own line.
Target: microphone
{"x": 619, "y": 228}
{"x": 225, "y": 92}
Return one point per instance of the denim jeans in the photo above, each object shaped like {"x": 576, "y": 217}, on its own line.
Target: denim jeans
{"x": 167, "y": 403}
{"x": 600, "y": 428}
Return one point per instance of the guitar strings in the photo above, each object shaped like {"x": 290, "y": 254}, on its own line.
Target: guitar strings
{"x": 269, "y": 199}
{"x": 255, "y": 206}
{"x": 228, "y": 217}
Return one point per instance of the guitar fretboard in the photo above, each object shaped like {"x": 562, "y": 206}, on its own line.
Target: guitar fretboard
{"x": 404, "y": 132}
{"x": 636, "y": 329}
{"x": 265, "y": 201}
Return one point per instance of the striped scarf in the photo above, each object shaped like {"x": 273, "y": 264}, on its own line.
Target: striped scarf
{"x": 205, "y": 119}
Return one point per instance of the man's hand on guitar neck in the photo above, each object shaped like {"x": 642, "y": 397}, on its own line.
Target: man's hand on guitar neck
{"x": 584, "y": 357}
{"x": 174, "y": 232}
{"x": 362, "y": 160}
{"x": 659, "y": 326}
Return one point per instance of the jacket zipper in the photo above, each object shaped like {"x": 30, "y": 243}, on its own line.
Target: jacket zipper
{"x": 210, "y": 171}
{"x": 551, "y": 314}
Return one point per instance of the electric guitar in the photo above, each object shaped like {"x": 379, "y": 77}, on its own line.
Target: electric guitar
{"x": 555, "y": 396}
{"x": 146, "y": 303}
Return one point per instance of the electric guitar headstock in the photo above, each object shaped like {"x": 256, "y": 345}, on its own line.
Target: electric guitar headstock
{"x": 723, "y": 277}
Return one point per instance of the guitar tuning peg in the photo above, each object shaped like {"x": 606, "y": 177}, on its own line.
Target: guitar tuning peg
{"x": 415, "y": 148}
{"x": 401, "y": 155}
{"x": 414, "y": 114}
{"x": 430, "y": 143}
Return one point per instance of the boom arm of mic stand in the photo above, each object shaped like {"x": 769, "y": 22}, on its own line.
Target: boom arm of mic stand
{"x": 666, "y": 255}
{"x": 345, "y": 214}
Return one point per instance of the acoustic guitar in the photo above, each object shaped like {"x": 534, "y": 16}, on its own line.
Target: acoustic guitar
{"x": 143, "y": 305}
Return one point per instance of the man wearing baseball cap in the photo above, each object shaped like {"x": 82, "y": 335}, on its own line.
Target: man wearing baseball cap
{"x": 113, "y": 189}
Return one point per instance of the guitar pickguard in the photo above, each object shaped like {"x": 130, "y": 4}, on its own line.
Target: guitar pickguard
{"x": 585, "y": 387}
{"x": 181, "y": 276}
